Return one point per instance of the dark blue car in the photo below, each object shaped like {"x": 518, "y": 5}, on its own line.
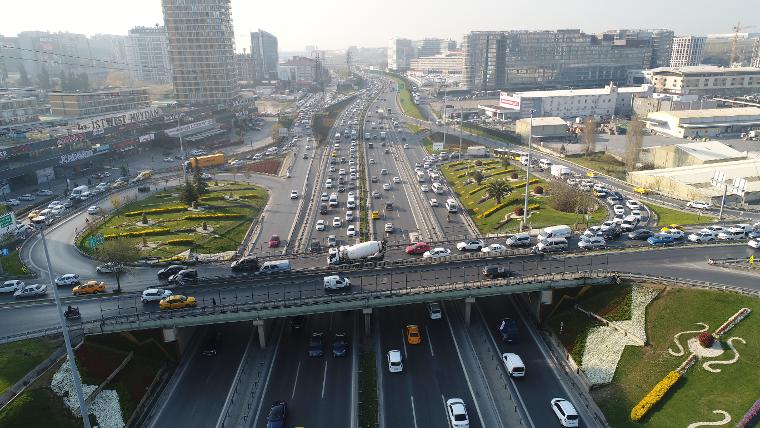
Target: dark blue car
{"x": 278, "y": 413}
{"x": 661, "y": 239}
{"x": 316, "y": 345}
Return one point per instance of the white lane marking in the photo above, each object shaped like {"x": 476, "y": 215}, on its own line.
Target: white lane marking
{"x": 429, "y": 342}
{"x": 324, "y": 379}
{"x": 414, "y": 414}
{"x": 295, "y": 381}
{"x": 403, "y": 342}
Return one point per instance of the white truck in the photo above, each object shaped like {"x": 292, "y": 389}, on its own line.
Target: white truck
{"x": 560, "y": 171}
{"x": 382, "y": 135}
{"x": 477, "y": 152}
{"x": 370, "y": 250}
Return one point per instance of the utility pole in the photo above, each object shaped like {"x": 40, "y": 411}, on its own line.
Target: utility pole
{"x": 461, "y": 129}
{"x": 66, "y": 339}
{"x": 527, "y": 174}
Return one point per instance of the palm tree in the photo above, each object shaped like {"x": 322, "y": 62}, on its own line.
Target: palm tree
{"x": 498, "y": 189}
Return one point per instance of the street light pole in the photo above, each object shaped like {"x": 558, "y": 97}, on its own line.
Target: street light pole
{"x": 527, "y": 175}
{"x": 66, "y": 339}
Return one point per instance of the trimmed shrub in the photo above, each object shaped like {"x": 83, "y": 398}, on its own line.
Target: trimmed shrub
{"x": 478, "y": 163}
{"x": 513, "y": 176}
{"x": 477, "y": 189}
{"x": 180, "y": 241}
{"x": 490, "y": 211}
{"x": 138, "y": 233}
{"x": 519, "y": 211}
{"x": 706, "y": 339}
{"x": 162, "y": 210}
{"x": 533, "y": 207}
{"x": 538, "y": 190}
{"x": 211, "y": 216}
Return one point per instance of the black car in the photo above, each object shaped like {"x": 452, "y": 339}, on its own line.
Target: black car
{"x": 340, "y": 345}
{"x": 170, "y": 270}
{"x": 248, "y": 263}
{"x": 278, "y": 413}
{"x": 211, "y": 347}
{"x": 640, "y": 234}
{"x": 316, "y": 345}
{"x": 183, "y": 276}
{"x": 493, "y": 272}
{"x": 297, "y": 322}
{"x": 612, "y": 233}
{"x": 143, "y": 189}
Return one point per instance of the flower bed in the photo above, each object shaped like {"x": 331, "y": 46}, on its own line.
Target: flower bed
{"x": 180, "y": 241}
{"x": 751, "y": 415}
{"x": 137, "y": 233}
{"x": 655, "y": 395}
{"x": 477, "y": 189}
{"x": 735, "y": 319}
{"x": 501, "y": 172}
{"x": 490, "y": 211}
{"x": 105, "y": 406}
{"x": 162, "y": 210}
{"x": 266, "y": 166}
{"x": 249, "y": 196}
{"x": 212, "y": 216}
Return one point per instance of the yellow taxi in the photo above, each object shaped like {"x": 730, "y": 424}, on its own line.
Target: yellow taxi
{"x": 413, "y": 336}
{"x": 641, "y": 190}
{"x": 334, "y": 154}
{"x": 375, "y": 215}
{"x": 591, "y": 174}
{"x": 32, "y": 214}
{"x": 177, "y": 301}
{"x": 89, "y": 287}
{"x": 665, "y": 229}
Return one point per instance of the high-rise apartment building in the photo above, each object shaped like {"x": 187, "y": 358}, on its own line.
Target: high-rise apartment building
{"x": 660, "y": 42}
{"x": 400, "y": 53}
{"x": 148, "y": 54}
{"x": 528, "y": 59}
{"x": 687, "y": 51}
{"x": 265, "y": 54}
{"x": 246, "y": 67}
{"x": 201, "y": 50}
{"x": 755, "y": 62}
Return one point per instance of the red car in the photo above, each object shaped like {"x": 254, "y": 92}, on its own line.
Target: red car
{"x": 274, "y": 241}
{"x": 417, "y": 248}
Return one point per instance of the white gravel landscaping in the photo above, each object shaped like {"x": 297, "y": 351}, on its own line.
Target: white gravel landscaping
{"x": 105, "y": 406}
{"x": 605, "y": 344}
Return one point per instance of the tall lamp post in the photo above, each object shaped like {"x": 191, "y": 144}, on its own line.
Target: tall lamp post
{"x": 527, "y": 174}
{"x": 66, "y": 339}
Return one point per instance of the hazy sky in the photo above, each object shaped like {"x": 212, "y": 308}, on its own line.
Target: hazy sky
{"x": 336, "y": 24}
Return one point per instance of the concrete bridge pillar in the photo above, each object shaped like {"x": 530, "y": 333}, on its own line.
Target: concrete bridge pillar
{"x": 468, "y": 309}
{"x": 367, "y": 321}
{"x": 170, "y": 334}
{"x": 259, "y": 324}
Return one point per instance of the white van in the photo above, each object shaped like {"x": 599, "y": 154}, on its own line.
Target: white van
{"x": 549, "y": 245}
{"x": 545, "y": 163}
{"x": 80, "y": 192}
{"x": 275, "y": 266}
{"x": 560, "y": 231}
{"x": 451, "y": 205}
{"x": 514, "y": 364}
{"x": 328, "y": 183}
{"x": 629, "y": 223}
{"x": 351, "y": 203}
{"x": 437, "y": 188}
{"x": 333, "y": 201}
{"x": 420, "y": 176}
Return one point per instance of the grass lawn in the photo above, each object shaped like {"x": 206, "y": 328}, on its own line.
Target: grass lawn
{"x": 405, "y": 98}
{"x": 19, "y": 358}
{"x": 666, "y": 216}
{"x": 227, "y": 233}
{"x": 494, "y": 134}
{"x": 415, "y": 128}
{"x": 700, "y": 392}
{"x": 601, "y": 162}
{"x": 367, "y": 390}
{"x": 38, "y": 407}
{"x": 12, "y": 264}
{"x": 452, "y": 142}
{"x": 544, "y": 216}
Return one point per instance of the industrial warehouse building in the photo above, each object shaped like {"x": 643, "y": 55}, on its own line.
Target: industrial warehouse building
{"x": 690, "y": 154}
{"x": 690, "y": 183}
{"x": 544, "y": 128}
{"x": 704, "y": 123}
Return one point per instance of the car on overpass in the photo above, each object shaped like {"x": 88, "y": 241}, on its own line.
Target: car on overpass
{"x": 661, "y": 239}
{"x": 278, "y": 415}
{"x": 471, "y": 245}
{"x": 89, "y": 287}
{"x": 178, "y": 301}
{"x": 67, "y": 279}
{"x": 247, "y": 263}
{"x": 436, "y": 252}
{"x": 168, "y": 271}
{"x": 274, "y": 241}
{"x": 154, "y": 295}
{"x": 336, "y": 282}
{"x": 32, "y": 290}
{"x": 417, "y": 248}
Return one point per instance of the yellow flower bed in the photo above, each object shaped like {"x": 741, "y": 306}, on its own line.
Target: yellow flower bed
{"x": 497, "y": 207}
{"x": 180, "y": 241}
{"x": 533, "y": 207}
{"x": 169, "y": 209}
{"x": 137, "y": 233}
{"x": 477, "y": 189}
{"x": 501, "y": 172}
{"x": 249, "y": 196}
{"x": 655, "y": 395}
{"x": 211, "y": 216}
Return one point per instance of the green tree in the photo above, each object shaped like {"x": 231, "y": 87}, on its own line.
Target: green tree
{"x": 589, "y": 136}
{"x": 478, "y": 176}
{"x": 118, "y": 252}
{"x": 23, "y": 79}
{"x": 634, "y": 138}
{"x": 200, "y": 185}
{"x": 498, "y": 189}
{"x": 188, "y": 194}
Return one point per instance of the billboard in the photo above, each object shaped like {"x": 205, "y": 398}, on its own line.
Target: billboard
{"x": 507, "y": 101}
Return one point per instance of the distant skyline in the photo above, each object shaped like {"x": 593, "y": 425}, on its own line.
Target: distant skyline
{"x": 337, "y": 24}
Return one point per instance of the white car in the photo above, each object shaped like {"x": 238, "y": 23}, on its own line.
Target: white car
{"x": 353, "y": 176}
{"x": 383, "y": 171}
{"x": 636, "y": 214}
{"x": 31, "y": 291}
{"x": 351, "y": 230}
{"x": 607, "y": 225}
{"x": 406, "y": 146}
{"x": 713, "y": 230}
{"x": 293, "y": 194}
{"x": 26, "y": 197}
{"x": 591, "y": 242}
{"x": 335, "y": 282}
{"x": 434, "y": 202}
{"x": 154, "y": 295}
{"x": 565, "y": 412}
{"x": 676, "y": 234}
{"x": 388, "y": 227}
{"x": 425, "y": 188}
{"x": 371, "y": 161}
{"x": 93, "y": 210}
{"x": 337, "y": 222}
{"x": 698, "y": 205}
{"x": 494, "y": 248}
{"x": 634, "y": 205}
{"x": 397, "y": 180}
{"x": 349, "y": 215}
{"x": 12, "y": 202}
{"x": 434, "y": 311}
{"x": 593, "y": 231}
{"x": 11, "y": 285}
{"x": 395, "y": 364}
{"x": 701, "y": 237}
{"x": 350, "y": 195}
{"x": 472, "y": 245}
{"x": 618, "y": 209}
{"x": 324, "y": 197}
{"x": 67, "y": 279}
{"x": 732, "y": 233}
{"x": 44, "y": 192}
{"x": 321, "y": 225}
{"x": 386, "y": 186}
{"x": 753, "y": 243}
{"x": 457, "y": 413}
{"x": 436, "y": 252}
{"x": 341, "y": 171}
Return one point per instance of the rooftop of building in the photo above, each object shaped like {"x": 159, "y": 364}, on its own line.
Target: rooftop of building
{"x": 708, "y": 113}
{"x": 579, "y": 92}
{"x": 545, "y": 121}
{"x": 700, "y": 176}
{"x": 101, "y": 91}
{"x": 708, "y": 151}
{"x": 299, "y": 60}
{"x": 702, "y": 69}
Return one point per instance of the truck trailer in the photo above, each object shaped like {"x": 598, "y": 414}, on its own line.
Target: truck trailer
{"x": 370, "y": 250}
{"x": 207, "y": 161}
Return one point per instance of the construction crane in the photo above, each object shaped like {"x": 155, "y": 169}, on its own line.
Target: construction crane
{"x": 737, "y": 29}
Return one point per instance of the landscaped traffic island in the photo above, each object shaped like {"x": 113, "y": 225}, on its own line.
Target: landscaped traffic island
{"x": 502, "y": 215}
{"x": 164, "y": 225}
